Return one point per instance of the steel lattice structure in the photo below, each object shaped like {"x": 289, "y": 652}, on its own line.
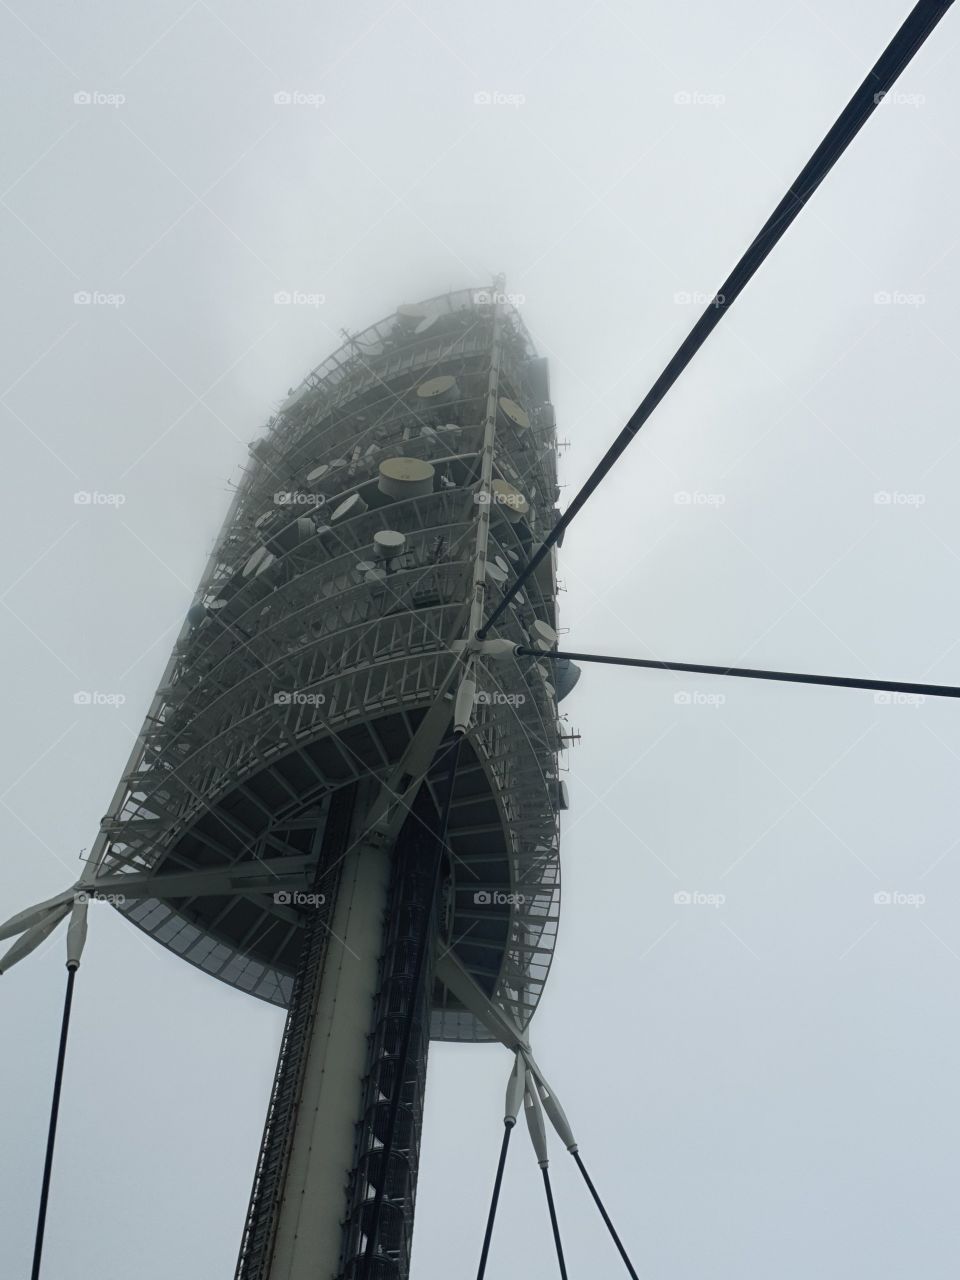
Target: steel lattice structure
{"x": 268, "y": 818}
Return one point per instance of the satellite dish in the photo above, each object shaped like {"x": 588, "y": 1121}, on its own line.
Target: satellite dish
{"x": 196, "y": 613}
{"x": 515, "y": 414}
{"x": 291, "y": 535}
{"x": 543, "y": 635}
{"x": 425, "y": 325}
{"x": 266, "y": 563}
{"x": 501, "y": 563}
{"x": 318, "y": 473}
{"x": 405, "y": 477}
{"x": 495, "y": 573}
{"x": 388, "y": 543}
{"x": 255, "y": 561}
{"x": 508, "y": 500}
{"x": 352, "y": 506}
{"x": 438, "y": 390}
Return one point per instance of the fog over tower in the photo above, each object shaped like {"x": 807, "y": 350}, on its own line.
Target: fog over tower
{"x": 286, "y": 805}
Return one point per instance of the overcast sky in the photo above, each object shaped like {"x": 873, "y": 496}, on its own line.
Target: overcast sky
{"x": 762, "y": 1085}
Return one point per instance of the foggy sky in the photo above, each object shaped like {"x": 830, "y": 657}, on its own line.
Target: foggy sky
{"x": 763, "y": 1085}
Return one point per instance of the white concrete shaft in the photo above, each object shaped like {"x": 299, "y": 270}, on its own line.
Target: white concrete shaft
{"x": 308, "y": 1239}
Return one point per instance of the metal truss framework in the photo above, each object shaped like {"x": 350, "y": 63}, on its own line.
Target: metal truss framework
{"x": 311, "y": 663}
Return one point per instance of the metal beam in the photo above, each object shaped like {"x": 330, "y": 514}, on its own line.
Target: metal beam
{"x": 240, "y": 878}
{"x": 497, "y": 1021}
